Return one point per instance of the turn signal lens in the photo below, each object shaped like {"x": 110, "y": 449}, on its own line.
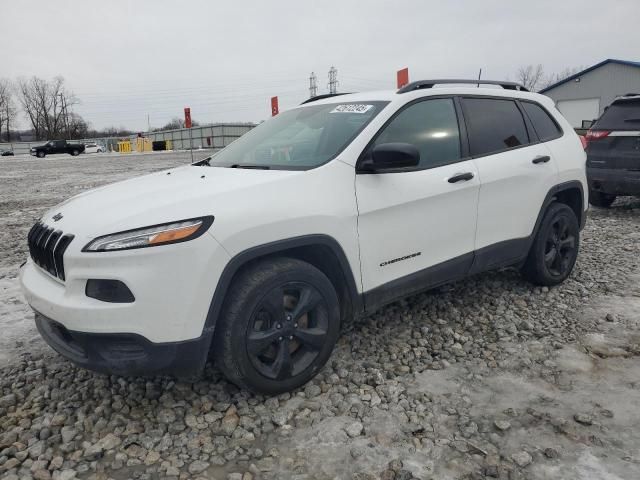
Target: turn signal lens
{"x": 151, "y": 236}
{"x": 173, "y": 235}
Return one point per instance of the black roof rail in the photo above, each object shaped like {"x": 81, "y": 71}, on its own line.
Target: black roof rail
{"x": 323, "y": 96}
{"x": 420, "y": 84}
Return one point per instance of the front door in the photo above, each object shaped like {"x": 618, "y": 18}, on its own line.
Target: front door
{"x": 417, "y": 228}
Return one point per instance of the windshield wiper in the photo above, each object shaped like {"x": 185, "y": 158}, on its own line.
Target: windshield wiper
{"x": 632, "y": 120}
{"x": 255, "y": 167}
{"x": 202, "y": 163}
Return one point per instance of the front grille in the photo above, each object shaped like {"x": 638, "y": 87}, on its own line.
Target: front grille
{"x": 47, "y": 246}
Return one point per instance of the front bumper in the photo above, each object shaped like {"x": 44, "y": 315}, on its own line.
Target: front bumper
{"x": 614, "y": 181}
{"x": 125, "y": 354}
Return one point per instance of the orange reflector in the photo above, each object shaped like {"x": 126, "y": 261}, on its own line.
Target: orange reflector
{"x": 173, "y": 235}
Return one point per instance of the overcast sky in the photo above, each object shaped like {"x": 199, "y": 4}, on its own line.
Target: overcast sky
{"x": 225, "y": 59}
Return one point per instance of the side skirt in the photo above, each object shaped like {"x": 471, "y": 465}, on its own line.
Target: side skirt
{"x": 503, "y": 254}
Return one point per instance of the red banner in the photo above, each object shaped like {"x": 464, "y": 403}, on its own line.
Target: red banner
{"x": 274, "y": 106}
{"x": 187, "y": 117}
{"x": 403, "y": 77}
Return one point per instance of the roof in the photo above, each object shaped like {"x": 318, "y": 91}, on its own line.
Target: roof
{"x": 587, "y": 70}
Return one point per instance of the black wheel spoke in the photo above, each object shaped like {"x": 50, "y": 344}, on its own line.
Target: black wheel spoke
{"x": 311, "y": 337}
{"x": 550, "y": 256}
{"x": 568, "y": 243}
{"x": 282, "y": 365}
{"x": 308, "y": 300}
{"x": 259, "y": 341}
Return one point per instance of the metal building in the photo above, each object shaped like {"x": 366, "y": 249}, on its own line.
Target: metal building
{"x": 584, "y": 96}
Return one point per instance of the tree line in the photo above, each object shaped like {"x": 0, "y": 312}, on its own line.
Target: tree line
{"x": 48, "y": 107}
{"x": 534, "y": 78}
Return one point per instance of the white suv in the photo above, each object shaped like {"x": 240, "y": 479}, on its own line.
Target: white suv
{"x": 257, "y": 254}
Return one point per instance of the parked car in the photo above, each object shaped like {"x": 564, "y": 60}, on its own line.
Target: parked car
{"x": 93, "y": 148}
{"x": 330, "y": 210}
{"x": 57, "y": 146}
{"x": 6, "y": 153}
{"x": 613, "y": 152}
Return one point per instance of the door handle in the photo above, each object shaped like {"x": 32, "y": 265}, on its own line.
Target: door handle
{"x": 460, "y": 177}
{"x": 541, "y": 159}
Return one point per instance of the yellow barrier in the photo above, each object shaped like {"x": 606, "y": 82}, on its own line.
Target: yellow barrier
{"x": 143, "y": 145}
{"x": 124, "y": 147}
{"x": 168, "y": 144}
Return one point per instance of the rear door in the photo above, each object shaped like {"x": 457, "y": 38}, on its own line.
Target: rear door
{"x": 516, "y": 172}
{"x": 417, "y": 227}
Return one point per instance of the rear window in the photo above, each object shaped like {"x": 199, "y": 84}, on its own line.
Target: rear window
{"x": 543, "y": 124}
{"x": 494, "y": 125}
{"x": 621, "y": 115}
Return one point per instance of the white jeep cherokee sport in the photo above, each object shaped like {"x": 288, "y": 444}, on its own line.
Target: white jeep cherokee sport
{"x": 257, "y": 254}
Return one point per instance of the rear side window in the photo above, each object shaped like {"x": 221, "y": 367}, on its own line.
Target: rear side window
{"x": 431, "y": 126}
{"x": 494, "y": 125}
{"x": 543, "y": 124}
{"x": 622, "y": 115}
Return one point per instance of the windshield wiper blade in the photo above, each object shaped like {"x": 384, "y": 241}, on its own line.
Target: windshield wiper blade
{"x": 632, "y": 120}
{"x": 254, "y": 167}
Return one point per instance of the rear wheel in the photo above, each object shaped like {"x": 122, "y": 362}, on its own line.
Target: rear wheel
{"x": 555, "y": 248}
{"x": 278, "y": 326}
{"x": 599, "y": 199}
{"x": 75, "y": 153}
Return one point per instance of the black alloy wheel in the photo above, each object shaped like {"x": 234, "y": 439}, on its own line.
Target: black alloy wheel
{"x": 560, "y": 247}
{"x": 279, "y": 323}
{"x": 554, "y": 250}
{"x": 287, "y": 330}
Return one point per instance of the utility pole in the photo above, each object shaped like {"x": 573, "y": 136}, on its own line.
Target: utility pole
{"x": 148, "y": 124}
{"x": 65, "y": 113}
{"x": 8, "y": 127}
{"x": 313, "y": 85}
{"x": 333, "y": 80}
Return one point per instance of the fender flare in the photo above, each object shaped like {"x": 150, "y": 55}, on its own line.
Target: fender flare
{"x": 279, "y": 246}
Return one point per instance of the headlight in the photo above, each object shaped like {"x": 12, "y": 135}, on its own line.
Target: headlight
{"x": 151, "y": 236}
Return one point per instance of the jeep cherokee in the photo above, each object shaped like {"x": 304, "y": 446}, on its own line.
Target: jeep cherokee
{"x": 257, "y": 254}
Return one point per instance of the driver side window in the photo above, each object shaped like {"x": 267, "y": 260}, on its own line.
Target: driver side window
{"x": 431, "y": 126}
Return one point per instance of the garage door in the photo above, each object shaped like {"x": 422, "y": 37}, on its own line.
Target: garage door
{"x": 578, "y": 110}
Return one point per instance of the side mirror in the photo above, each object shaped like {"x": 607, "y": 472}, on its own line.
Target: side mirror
{"x": 391, "y": 156}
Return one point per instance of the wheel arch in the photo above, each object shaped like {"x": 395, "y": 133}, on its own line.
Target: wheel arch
{"x": 321, "y": 251}
{"x": 570, "y": 193}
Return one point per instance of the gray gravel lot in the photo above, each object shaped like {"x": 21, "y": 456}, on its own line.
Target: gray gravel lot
{"x": 487, "y": 378}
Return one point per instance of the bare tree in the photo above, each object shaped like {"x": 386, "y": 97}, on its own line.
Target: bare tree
{"x": 531, "y": 77}
{"x": 558, "y": 77}
{"x": 47, "y": 106}
{"x": 7, "y": 107}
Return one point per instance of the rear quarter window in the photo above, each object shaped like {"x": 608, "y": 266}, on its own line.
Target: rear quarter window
{"x": 622, "y": 115}
{"x": 545, "y": 126}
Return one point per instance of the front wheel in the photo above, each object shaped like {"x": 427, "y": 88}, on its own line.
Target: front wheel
{"x": 555, "y": 247}
{"x": 599, "y": 199}
{"x": 278, "y": 326}
{"x": 40, "y": 154}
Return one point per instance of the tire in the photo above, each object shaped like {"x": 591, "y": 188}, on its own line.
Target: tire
{"x": 40, "y": 154}
{"x": 259, "y": 343}
{"x": 601, "y": 200}
{"x": 555, "y": 247}
{"x": 75, "y": 153}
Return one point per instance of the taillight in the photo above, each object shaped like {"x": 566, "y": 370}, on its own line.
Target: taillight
{"x": 594, "y": 135}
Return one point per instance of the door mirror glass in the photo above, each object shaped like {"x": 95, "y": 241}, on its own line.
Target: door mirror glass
{"x": 392, "y": 156}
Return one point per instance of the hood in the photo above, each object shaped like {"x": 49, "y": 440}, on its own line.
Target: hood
{"x": 170, "y": 195}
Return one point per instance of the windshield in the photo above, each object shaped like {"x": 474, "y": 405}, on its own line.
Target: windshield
{"x": 298, "y": 139}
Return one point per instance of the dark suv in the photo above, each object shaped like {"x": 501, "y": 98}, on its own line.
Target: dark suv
{"x": 613, "y": 152}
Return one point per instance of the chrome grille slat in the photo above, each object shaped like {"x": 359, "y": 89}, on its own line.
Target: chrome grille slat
{"x": 47, "y": 246}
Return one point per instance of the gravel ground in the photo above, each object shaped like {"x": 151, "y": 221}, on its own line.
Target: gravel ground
{"x": 487, "y": 378}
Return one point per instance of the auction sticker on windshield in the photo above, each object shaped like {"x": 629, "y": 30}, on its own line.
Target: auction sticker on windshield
{"x": 352, "y": 108}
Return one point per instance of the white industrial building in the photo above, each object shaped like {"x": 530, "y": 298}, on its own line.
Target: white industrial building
{"x": 584, "y": 96}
